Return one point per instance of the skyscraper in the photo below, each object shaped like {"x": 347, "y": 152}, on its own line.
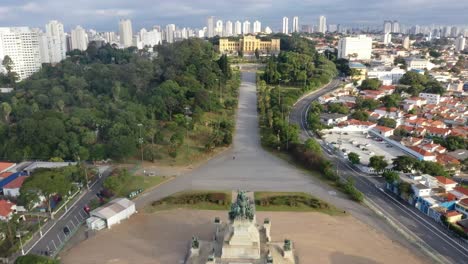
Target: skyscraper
{"x": 246, "y": 27}
{"x": 238, "y": 28}
{"x": 79, "y": 39}
{"x": 460, "y": 43}
{"x": 228, "y": 31}
{"x": 285, "y": 25}
{"x": 387, "y": 26}
{"x": 395, "y": 27}
{"x": 322, "y": 24}
{"x": 126, "y": 33}
{"x": 406, "y": 42}
{"x": 56, "y": 42}
{"x": 21, "y": 44}
{"x": 387, "y": 38}
{"x": 210, "y": 26}
{"x": 170, "y": 29}
{"x": 219, "y": 28}
{"x": 295, "y": 24}
{"x": 257, "y": 27}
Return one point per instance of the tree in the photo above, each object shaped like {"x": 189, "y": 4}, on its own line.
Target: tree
{"x": 392, "y": 100}
{"x": 413, "y": 78}
{"x": 257, "y": 54}
{"x": 369, "y": 104}
{"x": 312, "y": 145}
{"x": 371, "y": 84}
{"x": 378, "y": 163}
{"x": 337, "y": 108}
{"x": 387, "y": 122}
{"x": 391, "y": 176}
{"x": 6, "y": 110}
{"x": 354, "y": 158}
{"x": 360, "y": 115}
{"x": 404, "y": 163}
{"x": 30, "y": 258}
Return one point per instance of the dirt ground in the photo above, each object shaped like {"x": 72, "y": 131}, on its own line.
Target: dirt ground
{"x": 164, "y": 237}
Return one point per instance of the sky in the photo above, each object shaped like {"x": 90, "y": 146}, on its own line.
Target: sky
{"x": 103, "y": 15}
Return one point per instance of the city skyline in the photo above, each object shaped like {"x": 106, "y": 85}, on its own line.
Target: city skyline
{"x": 104, "y": 15}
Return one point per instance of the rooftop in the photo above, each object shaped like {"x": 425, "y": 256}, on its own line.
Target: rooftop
{"x": 6, "y": 207}
{"x": 6, "y": 165}
{"x": 16, "y": 183}
{"x": 444, "y": 180}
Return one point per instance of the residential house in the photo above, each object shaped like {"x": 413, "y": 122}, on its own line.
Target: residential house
{"x": 437, "y": 132}
{"x": 12, "y": 189}
{"x": 446, "y": 183}
{"x": 412, "y": 102}
{"x": 5, "y": 166}
{"x": 462, "y": 207}
{"x": 422, "y": 154}
{"x": 458, "y": 193}
{"x": 7, "y": 209}
{"x": 383, "y": 131}
{"x": 453, "y": 216}
{"x": 430, "y": 98}
{"x": 332, "y": 119}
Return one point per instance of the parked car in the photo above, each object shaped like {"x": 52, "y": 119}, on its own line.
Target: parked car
{"x": 86, "y": 209}
{"x": 66, "y": 230}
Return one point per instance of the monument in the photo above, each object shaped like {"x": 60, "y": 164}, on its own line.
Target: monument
{"x": 241, "y": 239}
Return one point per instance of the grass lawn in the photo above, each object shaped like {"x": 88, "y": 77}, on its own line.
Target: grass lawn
{"x": 197, "y": 200}
{"x": 280, "y": 201}
{"x": 140, "y": 182}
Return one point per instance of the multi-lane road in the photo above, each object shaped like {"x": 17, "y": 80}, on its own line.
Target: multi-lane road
{"x": 427, "y": 233}
{"x": 53, "y": 236}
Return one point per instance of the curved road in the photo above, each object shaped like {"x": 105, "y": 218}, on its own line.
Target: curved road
{"x": 433, "y": 236}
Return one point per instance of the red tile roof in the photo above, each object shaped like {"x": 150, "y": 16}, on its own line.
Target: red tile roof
{"x": 5, "y": 174}
{"x": 452, "y": 213}
{"x": 422, "y": 151}
{"x": 5, "y": 165}
{"x": 16, "y": 183}
{"x": 445, "y": 159}
{"x": 383, "y": 128}
{"x": 464, "y": 202}
{"x": 444, "y": 180}
{"x": 5, "y": 207}
{"x": 461, "y": 189}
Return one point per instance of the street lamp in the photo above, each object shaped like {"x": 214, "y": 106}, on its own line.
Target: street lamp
{"x": 187, "y": 113}
{"x": 40, "y": 227}
{"x": 140, "y": 140}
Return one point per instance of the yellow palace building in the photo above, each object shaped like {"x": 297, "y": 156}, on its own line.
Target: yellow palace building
{"x": 248, "y": 44}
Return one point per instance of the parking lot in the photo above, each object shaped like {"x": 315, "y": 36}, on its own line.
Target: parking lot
{"x": 364, "y": 145}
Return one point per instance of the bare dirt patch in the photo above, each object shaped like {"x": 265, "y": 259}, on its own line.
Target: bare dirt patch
{"x": 164, "y": 237}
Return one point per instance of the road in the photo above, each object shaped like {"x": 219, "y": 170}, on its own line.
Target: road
{"x": 53, "y": 235}
{"x": 409, "y": 219}
{"x": 258, "y": 170}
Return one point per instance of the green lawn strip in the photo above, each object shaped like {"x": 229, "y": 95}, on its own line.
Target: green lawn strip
{"x": 190, "y": 200}
{"x": 283, "y": 200}
{"x": 140, "y": 182}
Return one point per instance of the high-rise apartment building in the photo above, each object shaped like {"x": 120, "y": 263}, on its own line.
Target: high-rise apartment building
{"x": 322, "y": 24}
{"x": 285, "y": 25}
{"x": 228, "y": 31}
{"x": 79, "y": 39}
{"x": 332, "y": 28}
{"x": 355, "y": 48}
{"x": 56, "y": 42}
{"x": 406, "y": 42}
{"x": 306, "y": 28}
{"x": 219, "y": 28}
{"x": 454, "y": 32}
{"x": 109, "y": 37}
{"x": 396, "y": 26}
{"x": 170, "y": 29}
{"x": 460, "y": 44}
{"x": 246, "y": 27}
{"x": 295, "y": 24}
{"x": 387, "y": 38}
{"x": 387, "y": 26}
{"x": 210, "y": 27}
{"x": 257, "y": 27}
{"x": 21, "y": 44}
{"x": 238, "y": 28}
{"x": 126, "y": 33}
{"x": 150, "y": 38}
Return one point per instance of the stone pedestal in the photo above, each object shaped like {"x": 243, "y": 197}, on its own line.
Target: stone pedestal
{"x": 242, "y": 241}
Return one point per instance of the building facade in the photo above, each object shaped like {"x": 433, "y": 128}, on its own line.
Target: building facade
{"x": 322, "y": 24}
{"x": 79, "y": 39}
{"x": 285, "y": 25}
{"x": 355, "y": 48}
{"x": 21, "y": 44}
{"x": 126, "y": 33}
{"x": 56, "y": 42}
{"x": 248, "y": 45}
{"x": 460, "y": 44}
{"x": 295, "y": 24}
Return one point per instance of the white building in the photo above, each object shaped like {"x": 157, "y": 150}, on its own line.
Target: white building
{"x": 418, "y": 64}
{"x": 386, "y": 75}
{"x": 79, "y": 39}
{"x": 237, "y": 28}
{"x": 228, "y": 32}
{"x": 150, "y": 38}
{"x": 285, "y": 25}
{"x": 322, "y": 24}
{"x": 21, "y": 44}
{"x": 12, "y": 189}
{"x": 268, "y": 30}
{"x": 170, "y": 29}
{"x": 246, "y": 27}
{"x": 395, "y": 27}
{"x": 460, "y": 44}
{"x": 387, "y": 26}
{"x": 219, "y": 28}
{"x": 430, "y": 98}
{"x": 126, "y": 33}
{"x": 56, "y": 42}
{"x": 355, "y": 48}
{"x": 387, "y": 38}
{"x": 111, "y": 214}
{"x": 210, "y": 27}
{"x": 295, "y": 24}
{"x": 406, "y": 42}
{"x": 257, "y": 27}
